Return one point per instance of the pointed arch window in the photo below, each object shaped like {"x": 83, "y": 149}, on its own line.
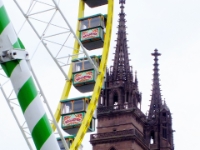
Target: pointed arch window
{"x": 164, "y": 124}
{"x": 127, "y": 96}
{"x": 164, "y": 116}
{"x": 152, "y": 137}
{"x": 164, "y": 130}
{"x": 115, "y": 98}
{"x": 115, "y": 101}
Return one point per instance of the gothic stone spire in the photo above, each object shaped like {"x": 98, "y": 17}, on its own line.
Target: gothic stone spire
{"x": 121, "y": 69}
{"x": 159, "y": 119}
{"x": 120, "y": 86}
{"x": 156, "y": 100}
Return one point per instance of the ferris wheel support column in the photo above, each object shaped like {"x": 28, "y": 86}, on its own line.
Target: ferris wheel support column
{"x": 13, "y": 61}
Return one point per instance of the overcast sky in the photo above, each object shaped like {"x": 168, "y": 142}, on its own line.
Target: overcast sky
{"x": 172, "y": 26}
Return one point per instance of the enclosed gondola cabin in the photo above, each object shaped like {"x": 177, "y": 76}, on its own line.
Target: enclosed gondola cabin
{"x": 72, "y": 112}
{"x": 92, "y": 31}
{"x": 95, "y": 3}
{"x": 68, "y": 140}
{"x": 84, "y": 75}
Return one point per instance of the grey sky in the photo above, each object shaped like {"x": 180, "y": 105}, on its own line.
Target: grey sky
{"x": 173, "y": 27}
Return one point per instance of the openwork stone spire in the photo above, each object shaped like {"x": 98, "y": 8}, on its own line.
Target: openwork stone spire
{"x": 159, "y": 123}
{"x": 156, "y": 100}
{"x": 120, "y": 86}
{"x": 121, "y": 69}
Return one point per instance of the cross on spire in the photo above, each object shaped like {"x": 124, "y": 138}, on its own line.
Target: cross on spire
{"x": 155, "y": 54}
{"x": 122, "y": 1}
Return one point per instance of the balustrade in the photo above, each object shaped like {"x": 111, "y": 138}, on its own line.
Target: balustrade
{"x": 124, "y": 133}
{"x": 115, "y": 107}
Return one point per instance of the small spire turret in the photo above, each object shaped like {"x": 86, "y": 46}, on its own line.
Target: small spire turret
{"x": 136, "y": 80}
{"x": 159, "y": 118}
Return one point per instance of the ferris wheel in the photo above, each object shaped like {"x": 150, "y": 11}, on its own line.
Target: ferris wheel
{"x": 86, "y": 71}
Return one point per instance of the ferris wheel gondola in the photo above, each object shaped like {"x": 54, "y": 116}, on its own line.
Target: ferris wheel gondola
{"x": 95, "y": 3}
{"x": 100, "y": 77}
{"x": 92, "y": 31}
{"x": 72, "y": 113}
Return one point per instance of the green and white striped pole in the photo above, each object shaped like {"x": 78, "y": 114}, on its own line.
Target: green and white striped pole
{"x": 18, "y": 72}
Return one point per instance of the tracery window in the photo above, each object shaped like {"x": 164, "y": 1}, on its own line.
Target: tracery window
{"x": 115, "y": 98}
{"x": 152, "y": 137}
{"x": 164, "y": 132}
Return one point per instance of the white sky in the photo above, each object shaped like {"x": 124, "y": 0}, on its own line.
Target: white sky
{"x": 172, "y": 26}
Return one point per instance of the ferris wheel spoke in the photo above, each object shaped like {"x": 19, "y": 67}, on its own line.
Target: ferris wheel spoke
{"x": 52, "y": 8}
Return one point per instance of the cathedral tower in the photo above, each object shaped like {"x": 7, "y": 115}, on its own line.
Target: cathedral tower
{"x": 120, "y": 121}
{"x": 159, "y": 131}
